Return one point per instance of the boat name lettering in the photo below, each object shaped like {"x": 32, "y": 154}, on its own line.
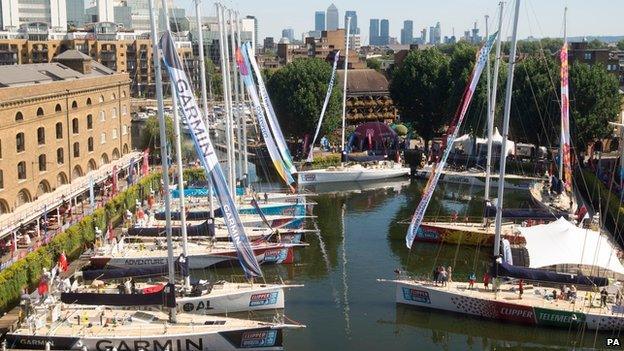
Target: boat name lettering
{"x": 275, "y": 256}
{"x": 263, "y": 338}
{"x": 509, "y": 311}
{"x": 146, "y": 345}
{"x": 421, "y": 296}
{"x": 201, "y": 305}
{"x": 262, "y": 299}
{"x": 35, "y": 342}
{"x": 554, "y": 317}
{"x": 309, "y": 177}
{"x": 145, "y": 261}
{"x": 427, "y": 234}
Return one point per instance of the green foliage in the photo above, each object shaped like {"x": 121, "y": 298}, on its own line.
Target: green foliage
{"x": 73, "y": 241}
{"x": 420, "y": 88}
{"x": 400, "y": 129}
{"x": 298, "y": 91}
{"x": 213, "y": 78}
{"x": 620, "y": 44}
{"x": 150, "y": 137}
{"x": 324, "y": 161}
{"x": 373, "y": 63}
{"x": 594, "y": 101}
{"x": 603, "y": 200}
{"x": 596, "y": 44}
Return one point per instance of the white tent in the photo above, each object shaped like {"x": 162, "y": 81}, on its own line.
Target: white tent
{"x": 497, "y": 139}
{"x": 561, "y": 242}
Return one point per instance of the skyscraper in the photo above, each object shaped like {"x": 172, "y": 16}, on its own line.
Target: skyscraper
{"x": 353, "y": 29}
{"x": 407, "y": 33}
{"x": 332, "y": 17}
{"x": 373, "y": 32}
{"x": 289, "y": 34}
{"x": 319, "y": 21}
{"x": 437, "y": 37}
{"x": 76, "y": 13}
{"x": 13, "y": 13}
{"x": 105, "y": 11}
{"x": 255, "y": 29}
{"x": 384, "y": 32}
{"x": 423, "y": 36}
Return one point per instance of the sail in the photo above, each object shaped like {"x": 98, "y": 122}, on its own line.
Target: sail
{"x": 502, "y": 269}
{"x": 242, "y": 59}
{"x": 451, "y": 134}
{"x": 192, "y": 117}
{"x": 268, "y": 108}
{"x": 565, "y": 118}
{"x": 325, "y": 103}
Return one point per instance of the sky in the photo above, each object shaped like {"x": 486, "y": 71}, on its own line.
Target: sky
{"x": 538, "y": 18}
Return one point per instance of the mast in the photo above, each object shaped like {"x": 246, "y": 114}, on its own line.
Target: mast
{"x": 492, "y": 103}
{"x": 344, "y": 88}
{"x": 202, "y": 69}
{"x": 503, "y": 156}
{"x": 163, "y": 147}
{"x": 231, "y": 151}
{"x": 490, "y": 118}
{"x": 561, "y": 135}
{"x": 178, "y": 150}
{"x": 225, "y": 87}
{"x": 242, "y": 141}
{"x": 237, "y": 102}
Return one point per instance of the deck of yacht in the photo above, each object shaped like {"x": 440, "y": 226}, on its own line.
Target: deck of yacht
{"x": 474, "y": 227}
{"x": 561, "y": 202}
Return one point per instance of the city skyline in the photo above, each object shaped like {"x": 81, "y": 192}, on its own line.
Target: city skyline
{"x": 545, "y": 18}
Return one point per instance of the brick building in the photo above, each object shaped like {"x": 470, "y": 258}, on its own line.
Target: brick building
{"x": 322, "y": 48}
{"x": 59, "y": 121}
{"x": 368, "y": 97}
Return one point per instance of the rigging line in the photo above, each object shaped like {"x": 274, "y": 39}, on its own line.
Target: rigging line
{"x": 346, "y": 307}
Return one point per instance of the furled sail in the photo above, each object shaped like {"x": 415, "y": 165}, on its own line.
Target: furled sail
{"x": 194, "y": 120}
{"x": 268, "y": 107}
{"x": 502, "y": 269}
{"x": 242, "y": 60}
{"x": 451, "y": 134}
{"x": 165, "y": 296}
{"x": 565, "y": 118}
{"x": 325, "y": 103}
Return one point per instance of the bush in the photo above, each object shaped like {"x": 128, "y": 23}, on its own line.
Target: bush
{"x": 73, "y": 241}
{"x": 324, "y": 161}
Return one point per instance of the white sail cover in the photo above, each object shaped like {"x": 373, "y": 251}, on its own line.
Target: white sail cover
{"x": 561, "y": 242}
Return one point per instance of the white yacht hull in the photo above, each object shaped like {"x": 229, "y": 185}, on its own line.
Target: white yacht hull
{"x": 349, "y": 175}
{"x": 246, "y": 298}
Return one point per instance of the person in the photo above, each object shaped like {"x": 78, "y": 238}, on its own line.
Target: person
{"x": 572, "y": 293}
{"x": 449, "y": 274}
{"x": 564, "y": 292}
{"x": 554, "y": 294}
{"x": 443, "y": 276}
{"x": 471, "y": 280}
{"x": 521, "y": 288}
{"x": 618, "y": 298}
{"x": 486, "y": 280}
{"x": 603, "y": 297}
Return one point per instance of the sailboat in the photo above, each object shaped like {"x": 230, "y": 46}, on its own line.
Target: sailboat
{"x": 537, "y": 306}
{"x": 345, "y": 172}
{"x": 64, "y": 327}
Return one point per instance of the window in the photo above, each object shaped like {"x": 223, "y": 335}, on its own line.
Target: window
{"x": 76, "y": 149}
{"x": 124, "y": 129}
{"x": 114, "y": 133}
{"x": 124, "y": 110}
{"x": 103, "y": 138}
{"x": 89, "y": 122}
{"x": 75, "y": 125}
{"x": 88, "y": 101}
{"x": 60, "y": 156}
{"x": 59, "y": 130}
{"x": 21, "y": 170}
{"x": 20, "y": 142}
{"x": 58, "y": 108}
{"x": 588, "y": 55}
{"x": 102, "y": 116}
{"x": 90, "y": 144}
{"x": 1, "y": 180}
{"x": 19, "y": 116}
{"x": 42, "y": 163}
{"x": 101, "y": 98}
{"x": 40, "y": 111}
{"x": 74, "y": 104}
{"x": 40, "y": 135}
{"x": 114, "y": 112}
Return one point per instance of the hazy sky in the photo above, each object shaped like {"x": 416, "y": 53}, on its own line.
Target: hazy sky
{"x": 538, "y": 18}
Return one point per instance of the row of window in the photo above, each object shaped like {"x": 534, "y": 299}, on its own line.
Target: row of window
{"x": 20, "y": 139}
{"x": 19, "y": 116}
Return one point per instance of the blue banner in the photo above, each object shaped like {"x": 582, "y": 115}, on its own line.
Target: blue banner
{"x": 192, "y": 117}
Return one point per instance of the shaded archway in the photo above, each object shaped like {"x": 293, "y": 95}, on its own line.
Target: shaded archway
{"x": 91, "y": 166}
{"x": 104, "y": 159}
{"x": 125, "y": 149}
{"x": 61, "y": 179}
{"x": 77, "y": 172}
{"x": 4, "y": 207}
{"x": 23, "y": 197}
{"x": 43, "y": 187}
{"x": 115, "y": 154}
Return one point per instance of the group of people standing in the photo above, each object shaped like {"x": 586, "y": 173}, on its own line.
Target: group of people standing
{"x": 442, "y": 275}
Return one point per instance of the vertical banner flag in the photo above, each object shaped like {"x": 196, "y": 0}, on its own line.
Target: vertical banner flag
{"x": 131, "y": 172}
{"x": 565, "y": 118}
{"x": 327, "y": 96}
{"x": 145, "y": 164}
{"x": 192, "y": 117}
{"x": 114, "y": 180}
{"x": 242, "y": 60}
{"x": 268, "y": 107}
{"x": 451, "y": 134}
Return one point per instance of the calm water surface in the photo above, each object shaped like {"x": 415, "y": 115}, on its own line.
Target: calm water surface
{"x": 362, "y": 239}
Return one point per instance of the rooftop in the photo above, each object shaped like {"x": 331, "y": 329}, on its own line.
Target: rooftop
{"x": 364, "y": 81}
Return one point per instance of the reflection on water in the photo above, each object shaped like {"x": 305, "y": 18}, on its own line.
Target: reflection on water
{"x": 361, "y": 239}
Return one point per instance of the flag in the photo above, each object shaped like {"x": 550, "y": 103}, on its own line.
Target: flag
{"x": 91, "y": 193}
{"x": 114, "y": 180}
{"x": 131, "y": 172}
{"x": 42, "y": 288}
{"x": 62, "y": 263}
{"x": 451, "y": 134}
{"x": 145, "y": 164}
{"x": 193, "y": 119}
{"x": 325, "y": 103}
{"x": 565, "y": 118}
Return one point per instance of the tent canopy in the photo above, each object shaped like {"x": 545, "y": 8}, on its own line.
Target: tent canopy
{"x": 374, "y": 136}
{"x": 561, "y": 242}
{"x": 466, "y": 142}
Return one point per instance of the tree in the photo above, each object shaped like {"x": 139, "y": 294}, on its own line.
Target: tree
{"x": 297, "y": 92}
{"x": 373, "y": 63}
{"x": 420, "y": 89}
{"x": 150, "y": 136}
{"x": 620, "y": 44}
{"x": 596, "y": 44}
{"x": 594, "y": 101}
{"x": 213, "y": 78}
